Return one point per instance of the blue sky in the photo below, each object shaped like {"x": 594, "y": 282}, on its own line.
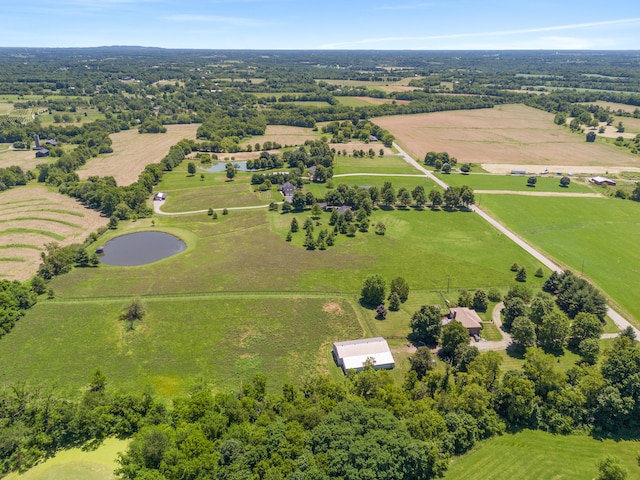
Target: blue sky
{"x": 328, "y": 24}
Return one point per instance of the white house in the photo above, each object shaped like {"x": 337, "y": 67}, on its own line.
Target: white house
{"x": 354, "y": 354}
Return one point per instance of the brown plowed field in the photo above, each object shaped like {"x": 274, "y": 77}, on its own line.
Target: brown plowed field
{"x": 132, "y": 151}
{"x": 506, "y": 134}
{"x": 32, "y": 216}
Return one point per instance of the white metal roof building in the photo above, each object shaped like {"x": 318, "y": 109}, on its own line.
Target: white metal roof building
{"x": 354, "y": 354}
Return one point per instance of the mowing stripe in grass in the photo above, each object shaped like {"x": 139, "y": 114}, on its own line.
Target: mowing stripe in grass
{"x": 19, "y": 245}
{"x": 55, "y": 236}
{"x": 55, "y": 210}
{"x": 42, "y": 219}
{"x": 25, "y": 201}
{"x": 12, "y": 259}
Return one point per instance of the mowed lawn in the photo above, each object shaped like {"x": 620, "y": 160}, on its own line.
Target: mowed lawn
{"x": 377, "y": 164}
{"x": 535, "y": 455}
{"x": 222, "y": 339}
{"x": 77, "y": 464}
{"x": 601, "y": 232}
{"x": 484, "y": 181}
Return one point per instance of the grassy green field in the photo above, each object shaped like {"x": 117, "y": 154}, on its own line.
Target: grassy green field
{"x": 320, "y": 189}
{"x": 77, "y": 464}
{"x": 515, "y": 183}
{"x": 601, "y": 232}
{"x": 386, "y": 164}
{"x": 533, "y": 455}
{"x": 224, "y": 339}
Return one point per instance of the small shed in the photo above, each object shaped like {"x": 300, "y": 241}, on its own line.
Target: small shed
{"x": 467, "y": 317}
{"x": 160, "y": 196}
{"x": 43, "y": 152}
{"x": 518, "y": 172}
{"x": 602, "y": 181}
{"x": 52, "y": 142}
{"x": 354, "y": 354}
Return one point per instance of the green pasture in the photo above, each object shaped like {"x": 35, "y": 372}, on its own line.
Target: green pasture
{"x": 224, "y": 339}
{"x": 386, "y": 164}
{"x": 602, "y": 233}
{"x": 533, "y": 455}
{"x": 515, "y": 182}
{"x": 77, "y": 464}
{"x": 355, "y": 101}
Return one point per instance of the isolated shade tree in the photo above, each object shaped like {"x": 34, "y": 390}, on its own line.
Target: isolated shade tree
{"x": 294, "y": 225}
{"x": 191, "y": 168}
{"x": 373, "y": 290}
{"x": 610, "y": 468}
{"x": 134, "y": 311}
{"x": 521, "y": 276}
{"x": 565, "y": 181}
{"x": 513, "y": 308}
{"x": 435, "y": 197}
{"x": 531, "y": 181}
{"x": 394, "y": 302}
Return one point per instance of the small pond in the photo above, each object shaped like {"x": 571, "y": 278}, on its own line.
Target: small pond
{"x": 222, "y": 166}
{"x": 140, "y": 248}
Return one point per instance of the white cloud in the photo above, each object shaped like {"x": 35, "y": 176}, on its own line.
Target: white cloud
{"x": 503, "y": 33}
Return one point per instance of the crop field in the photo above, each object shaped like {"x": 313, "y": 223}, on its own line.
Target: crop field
{"x": 32, "y": 216}
{"x": 506, "y": 134}
{"x": 77, "y": 464}
{"x": 516, "y": 183}
{"x": 132, "y": 151}
{"x": 601, "y": 232}
{"x": 223, "y": 338}
{"x": 284, "y": 135}
{"x": 532, "y": 455}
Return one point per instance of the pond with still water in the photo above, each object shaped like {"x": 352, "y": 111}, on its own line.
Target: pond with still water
{"x": 140, "y": 248}
{"x": 222, "y": 166}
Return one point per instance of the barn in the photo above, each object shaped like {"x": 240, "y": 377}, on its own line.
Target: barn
{"x": 43, "y": 152}
{"x": 354, "y": 354}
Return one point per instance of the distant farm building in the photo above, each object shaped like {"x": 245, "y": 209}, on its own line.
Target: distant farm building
{"x": 602, "y": 181}
{"x": 518, "y": 172}
{"x": 355, "y": 354}
{"x": 52, "y": 142}
{"x": 467, "y": 317}
{"x": 43, "y": 152}
{"x": 160, "y": 196}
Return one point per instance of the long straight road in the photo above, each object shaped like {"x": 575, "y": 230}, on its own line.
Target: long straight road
{"x": 617, "y": 318}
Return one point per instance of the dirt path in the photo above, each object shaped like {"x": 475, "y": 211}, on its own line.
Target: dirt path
{"x": 617, "y": 318}
{"x": 503, "y": 344}
{"x": 157, "y": 205}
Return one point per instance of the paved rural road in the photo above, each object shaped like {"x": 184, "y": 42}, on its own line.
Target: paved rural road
{"x": 618, "y": 319}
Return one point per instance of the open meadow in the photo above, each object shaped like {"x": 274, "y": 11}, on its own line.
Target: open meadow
{"x": 25, "y": 159}
{"x": 601, "y": 232}
{"x": 132, "y": 151}
{"x": 383, "y": 165}
{"x": 505, "y": 134}
{"x": 32, "y": 216}
{"x": 77, "y": 464}
{"x": 532, "y": 455}
{"x": 546, "y": 184}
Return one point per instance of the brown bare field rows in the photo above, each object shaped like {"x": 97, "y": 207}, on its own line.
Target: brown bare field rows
{"x": 32, "y": 216}
{"x": 133, "y": 151}
{"x": 506, "y": 134}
